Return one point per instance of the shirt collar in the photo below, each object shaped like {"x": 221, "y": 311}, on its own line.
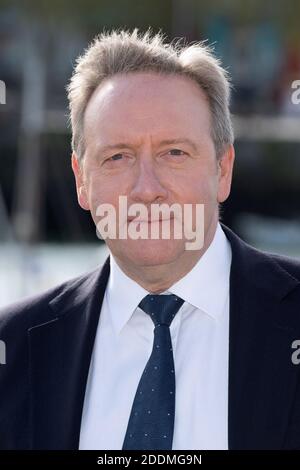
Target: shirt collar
{"x": 205, "y": 287}
{"x": 122, "y": 295}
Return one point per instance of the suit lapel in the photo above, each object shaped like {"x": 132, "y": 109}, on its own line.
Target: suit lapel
{"x": 262, "y": 378}
{"x": 60, "y": 352}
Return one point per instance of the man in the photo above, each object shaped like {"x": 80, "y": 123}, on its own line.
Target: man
{"x": 163, "y": 347}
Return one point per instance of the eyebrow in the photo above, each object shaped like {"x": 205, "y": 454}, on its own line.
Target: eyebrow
{"x": 180, "y": 141}
{"x": 105, "y": 148}
{"x": 161, "y": 143}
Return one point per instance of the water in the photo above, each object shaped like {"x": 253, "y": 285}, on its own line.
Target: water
{"x": 26, "y": 271}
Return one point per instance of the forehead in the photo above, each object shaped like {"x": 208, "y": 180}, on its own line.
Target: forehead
{"x": 134, "y": 104}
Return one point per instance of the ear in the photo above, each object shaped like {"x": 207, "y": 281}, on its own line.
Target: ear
{"x": 225, "y": 169}
{"x": 80, "y": 186}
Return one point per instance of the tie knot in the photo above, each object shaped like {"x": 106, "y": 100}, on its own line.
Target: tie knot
{"x": 161, "y": 308}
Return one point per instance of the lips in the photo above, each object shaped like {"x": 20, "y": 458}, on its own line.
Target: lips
{"x": 149, "y": 221}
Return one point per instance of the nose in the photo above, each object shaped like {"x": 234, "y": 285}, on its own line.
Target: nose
{"x": 147, "y": 187}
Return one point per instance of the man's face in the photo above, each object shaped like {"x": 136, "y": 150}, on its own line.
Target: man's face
{"x": 158, "y": 129}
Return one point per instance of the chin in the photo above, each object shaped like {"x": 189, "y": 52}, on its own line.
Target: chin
{"x": 148, "y": 252}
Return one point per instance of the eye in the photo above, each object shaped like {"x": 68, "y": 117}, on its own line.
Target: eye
{"x": 114, "y": 159}
{"x": 117, "y": 156}
{"x": 118, "y": 160}
{"x": 176, "y": 152}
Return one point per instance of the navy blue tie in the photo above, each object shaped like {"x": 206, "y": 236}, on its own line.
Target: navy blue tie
{"x": 151, "y": 422}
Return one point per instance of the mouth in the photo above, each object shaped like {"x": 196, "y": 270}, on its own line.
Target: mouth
{"x": 147, "y": 221}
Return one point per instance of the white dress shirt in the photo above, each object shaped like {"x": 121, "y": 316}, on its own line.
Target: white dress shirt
{"x": 200, "y": 340}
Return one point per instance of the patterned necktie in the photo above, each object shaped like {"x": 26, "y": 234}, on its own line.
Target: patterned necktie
{"x": 151, "y": 422}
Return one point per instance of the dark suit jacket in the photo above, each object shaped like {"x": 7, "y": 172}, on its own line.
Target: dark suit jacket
{"x": 49, "y": 341}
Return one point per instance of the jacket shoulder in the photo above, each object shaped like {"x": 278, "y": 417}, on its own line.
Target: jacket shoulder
{"x": 257, "y": 259}
{"x": 35, "y": 309}
{"x": 289, "y": 264}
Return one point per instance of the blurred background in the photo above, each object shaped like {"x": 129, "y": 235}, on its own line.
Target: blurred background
{"x": 45, "y": 237}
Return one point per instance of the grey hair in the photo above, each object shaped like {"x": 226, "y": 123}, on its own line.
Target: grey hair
{"x": 119, "y": 52}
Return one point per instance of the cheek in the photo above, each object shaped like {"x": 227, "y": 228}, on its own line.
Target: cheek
{"x": 202, "y": 189}
{"x": 99, "y": 194}
{"x": 96, "y": 191}
{"x": 105, "y": 190}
